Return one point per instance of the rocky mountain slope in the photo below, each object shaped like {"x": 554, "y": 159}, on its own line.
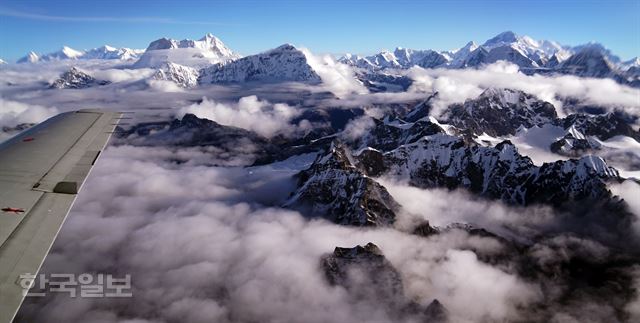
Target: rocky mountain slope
{"x": 367, "y": 275}
{"x": 285, "y": 63}
{"x": 76, "y": 79}
{"x": 500, "y": 112}
{"x": 335, "y": 189}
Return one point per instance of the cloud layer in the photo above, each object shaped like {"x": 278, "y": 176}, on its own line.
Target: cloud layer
{"x": 249, "y": 113}
{"x": 336, "y": 77}
{"x": 207, "y": 252}
{"x": 455, "y": 86}
{"x": 14, "y": 113}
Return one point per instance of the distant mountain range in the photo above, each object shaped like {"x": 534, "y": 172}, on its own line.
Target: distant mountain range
{"x": 520, "y": 50}
{"x": 208, "y": 60}
{"x": 67, "y": 53}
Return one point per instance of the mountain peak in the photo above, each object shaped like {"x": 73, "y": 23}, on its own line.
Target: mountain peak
{"x": 470, "y": 44}
{"x": 596, "y": 49}
{"x": 31, "y": 57}
{"x": 285, "y": 47}
{"x": 208, "y": 36}
{"x": 194, "y": 53}
{"x": 68, "y": 52}
{"x": 506, "y": 37}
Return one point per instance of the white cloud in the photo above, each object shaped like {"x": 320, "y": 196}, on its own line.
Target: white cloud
{"x": 248, "y": 113}
{"x": 462, "y": 275}
{"x": 122, "y": 75}
{"x": 442, "y": 207}
{"x": 455, "y": 86}
{"x": 13, "y": 113}
{"x": 630, "y": 191}
{"x": 357, "y": 127}
{"x": 336, "y": 77}
{"x": 633, "y": 307}
{"x": 164, "y": 86}
{"x": 208, "y": 252}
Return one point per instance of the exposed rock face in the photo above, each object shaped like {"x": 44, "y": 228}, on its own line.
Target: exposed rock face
{"x": 335, "y": 189}
{"x": 601, "y": 126}
{"x": 569, "y": 145}
{"x": 589, "y": 62}
{"x": 76, "y": 79}
{"x": 386, "y": 136}
{"x": 500, "y": 112}
{"x": 368, "y": 276}
{"x": 383, "y": 82}
{"x": 475, "y": 58}
{"x": 496, "y": 172}
{"x": 585, "y": 132}
{"x": 421, "y": 110}
{"x": 191, "y": 131}
{"x": 509, "y": 54}
{"x": 364, "y": 271}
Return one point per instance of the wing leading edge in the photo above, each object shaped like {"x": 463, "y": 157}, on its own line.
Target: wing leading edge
{"x": 41, "y": 172}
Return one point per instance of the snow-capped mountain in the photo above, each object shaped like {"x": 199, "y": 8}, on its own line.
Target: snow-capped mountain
{"x": 68, "y": 53}
{"x": 498, "y": 172}
{"x": 589, "y": 62}
{"x": 2, "y": 61}
{"x": 422, "y": 58}
{"x": 385, "y": 135}
{"x": 31, "y": 57}
{"x": 600, "y": 48}
{"x": 193, "y": 53}
{"x": 524, "y": 44}
{"x": 184, "y": 76}
{"x": 634, "y": 62}
{"x": 284, "y": 63}
{"x": 357, "y": 61}
{"x": 64, "y": 53}
{"x": 460, "y": 55}
{"x": 76, "y": 79}
{"x": 601, "y": 126}
{"x": 521, "y": 50}
{"x": 532, "y": 56}
{"x": 108, "y": 52}
{"x": 586, "y": 133}
{"x": 500, "y": 112}
{"x": 399, "y": 58}
{"x": 475, "y": 58}
{"x": 335, "y": 189}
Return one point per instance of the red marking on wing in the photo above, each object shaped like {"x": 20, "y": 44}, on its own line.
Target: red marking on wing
{"x": 28, "y": 139}
{"x": 13, "y": 209}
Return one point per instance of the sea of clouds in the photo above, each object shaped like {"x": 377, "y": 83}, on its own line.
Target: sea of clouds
{"x": 210, "y": 243}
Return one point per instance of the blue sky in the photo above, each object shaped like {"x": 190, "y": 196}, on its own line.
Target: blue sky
{"x": 323, "y": 26}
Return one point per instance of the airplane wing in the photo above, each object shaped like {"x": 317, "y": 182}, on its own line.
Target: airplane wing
{"x": 41, "y": 172}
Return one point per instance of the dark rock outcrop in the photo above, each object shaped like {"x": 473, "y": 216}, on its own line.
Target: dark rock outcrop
{"x": 335, "y": 189}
